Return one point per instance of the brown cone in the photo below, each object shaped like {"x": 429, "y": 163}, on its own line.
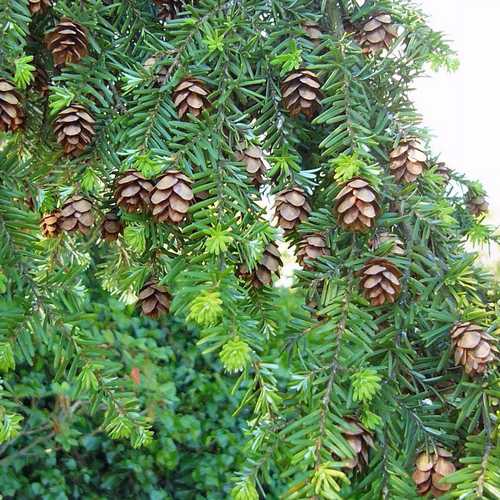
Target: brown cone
{"x": 474, "y": 348}
{"x": 291, "y": 208}
{"x": 41, "y": 81}
{"x": 377, "y": 33}
{"x": 168, "y": 9}
{"x": 380, "y": 281}
{"x": 313, "y": 31}
{"x": 301, "y": 93}
{"x": 50, "y": 224}
{"x": 68, "y": 42}
{"x": 37, "y": 6}
{"x": 190, "y": 97}
{"x": 356, "y": 205}
{"x": 269, "y": 266}
{"x": 11, "y": 111}
{"x": 111, "y": 227}
{"x": 154, "y": 299}
{"x": 360, "y": 439}
{"x": 74, "y": 129}
{"x": 76, "y": 215}
{"x": 161, "y": 73}
{"x": 443, "y": 171}
{"x": 255, "y": 162}
{"x": 477, "y": 205}
{"x": 171, "y": 197}
{"x": 430, "y": 468}
{"x": 133, "y": 192}
{"x": 398, "y": 247}
{"x": 311, "y": 248}
{"x": 408, "y": 160}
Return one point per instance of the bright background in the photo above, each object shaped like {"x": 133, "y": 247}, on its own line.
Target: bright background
{"x": 462, "y": 109}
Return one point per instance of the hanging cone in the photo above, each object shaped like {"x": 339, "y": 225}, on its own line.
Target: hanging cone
{"x": 37, "y": 6}
{"x": 255, "y": 162}
{"x": 264, "y": 271}
{"x": 360, "y": 439}
{"x": 301, "y": 93}
{"x": 377, "y": 33}
{"x": 408, "y": 160}
{"x": 291, "y": 208}
{"x": 356, "y": 205}
{"x": 168, "y": 9}
{"x": 68, "y": 42}
{"x": 41, "y": 81}
{"x": 111, "y": 227}
{"x": 171, "y": 197}
{"x": 430, "y": 469}
{"x": 313, "y": 31}
{"x": 11, "y": 111}
{"x": 50, "y": 224}
{"x": 74, "y": 129}
{"x": 76, "y": 215}
{"x": 477, "y": 204}
{"x": 474, "y": 349}
{"x": 161, "y": 73}
{"x": 311, "y": 248}
{"x": 380, "y": 281}
{"x": 398, "y": 247}
{"x": 443, "y": 171}
{"x": 133, "y": 192}
{"x": 190, "y": 97}
{"x": 154, "y": 299}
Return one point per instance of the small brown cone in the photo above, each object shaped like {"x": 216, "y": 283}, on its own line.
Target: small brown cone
{"x": 398, "y": 247}
{"x": 477, "y": 204}
{"x": 430, "y": 469}
{"x": 11, "y": 111}
{"x": 74, "y": 129}
{"x": 50, "y": 224}
{"x": 310, "y": 248}
{"x": 291, "y": 208}
{"x": 161, "y": 73}
{"x": 269, "y": 266}
{"x": 474, "y": 349}
{"x": 68, "y": 42}
{"x": 255, "y": 162}
{"x": 41, "y": 81}
{"x": 377, "y": 33}
{"x": 154, "y": 299}
{"x": 76, "y": 215}
{"x": 380, "y": 281}
{"x": 360, "y": 439}
{"x": 171, "y": 197}
{"x": 133, "y": 192}
{"x": 168, "y": 9}
{"x": 190, "y": 97}
{"x": 111, "y": 227}
{"x": 356, "y": 205}
{"x": 313, "y": 31}
{"x": 443, "y": 171}
{"x": 37, "y": 6}
{"x": 300, "y": 91}
{"x": 408, "y": 160}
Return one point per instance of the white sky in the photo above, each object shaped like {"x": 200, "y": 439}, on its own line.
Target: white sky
{"x": 462, "y": 109}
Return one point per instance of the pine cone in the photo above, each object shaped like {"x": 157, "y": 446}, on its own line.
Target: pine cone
{"x": 360, "y": 439}
{"x": 154, "y": 299}
{"x": 68, "y": 42}
{"x": 256, "y": 163}
{"x": 291, "y": 208}
{"x": 111, "y": 227}
{"x": 264, "y": 271}
{"x": 190, "y": 96}
{"x": 171, "y": 197}
{"x": 380, "y": 281}
{"x": 50, "y": 224}
{"x": 37, "y": 6}
{"x": 301, "y": 93}
{"x": 161, "y": 73}
{"x": 377, "y": 33}
{"x": 477, "y": 204}
{"x": 356, "y": 205}
{"x": 408, "y": 160}
{"x": 430, "y": 469}
{"x": 133, "y": 192}
{"x": 41, "y": 81}
{"x": 74, "y": 129}
{"x": 76, "y": 215}
{"x": 474, "y": 348}
{"x": 443, "y": 171}
{"x": 398, "y": 247}
{"x": 11, "y": 111}
{"x": 168, "y": 9}
{"x": 310, "y": 248}
{"x": 313, "y": 31}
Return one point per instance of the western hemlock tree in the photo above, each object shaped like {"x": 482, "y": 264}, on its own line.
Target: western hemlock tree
{"x": 166, "y": 123}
